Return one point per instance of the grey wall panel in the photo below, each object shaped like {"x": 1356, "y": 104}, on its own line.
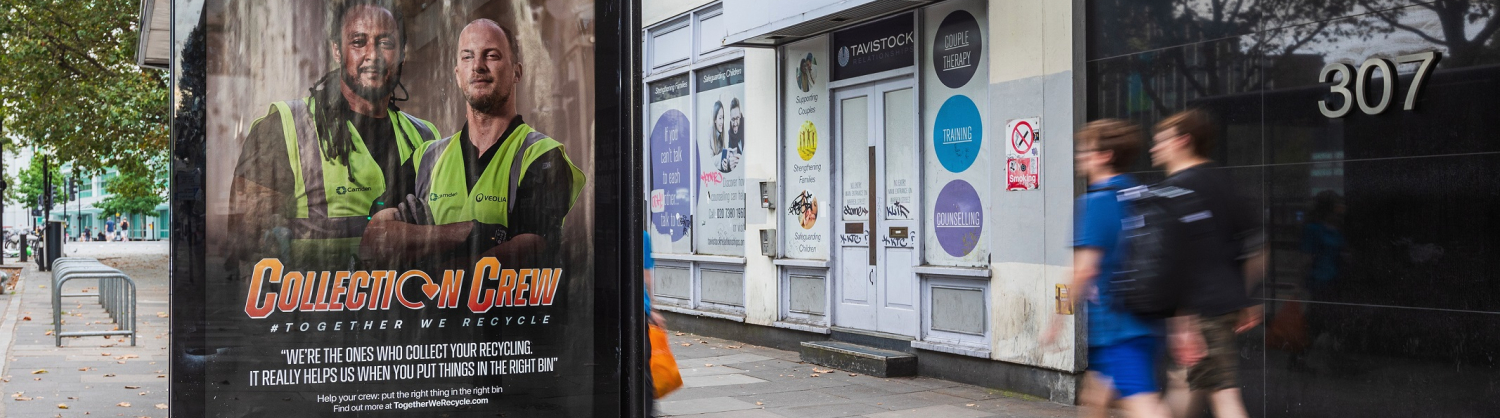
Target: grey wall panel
{"x": 722, "y": 287}
{"x": 673, "y": 282}
{"x": 808, "y": 294}
{"x": 958, "y": 310}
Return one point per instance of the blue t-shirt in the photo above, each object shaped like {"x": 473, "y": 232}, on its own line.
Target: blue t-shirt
{"x": 649, "y": 263}
{"x": 1097, "y": 221}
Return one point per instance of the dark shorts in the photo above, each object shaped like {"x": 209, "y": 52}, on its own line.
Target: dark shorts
{"x": 1127, "y": 364}
{"x": 1220, "y": 368}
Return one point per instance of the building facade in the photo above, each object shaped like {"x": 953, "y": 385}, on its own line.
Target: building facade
{"x": 869, "y": 172}
{"x": 1363, "y": 132}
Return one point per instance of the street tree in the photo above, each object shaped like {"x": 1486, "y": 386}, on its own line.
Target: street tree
{"x": 69, "y": 85}
{"x": 28, "y": 186}
{"x": 131, "y": 195}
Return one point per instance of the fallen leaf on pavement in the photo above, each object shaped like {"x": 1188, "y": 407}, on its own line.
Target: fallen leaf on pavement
{"x": 814, "y": 375}
{"x": 132, "y": 387}
{"x": 104, "y": 354}
{"x": 853, "y": 374}
{"x": 123, "y": 404}
{"x": 23, "y": 399}
{"x": 815, "y": 370}
{"x": 161, "y": 406}
{"x": 686, "y": 344}
{"x": 733, "y": 346}
{"x": 62, "y": 406}
{"x": 758, "y": 403}
{"x": 161, "y": 314}
{"x": 25, "y": 318}
{"x": 109, "y": 375}
{"x": 38, "y": 371}
{"x": 968, "y": 404}
{"x": 49, "y": 332}
{"x": 680, "y": 334}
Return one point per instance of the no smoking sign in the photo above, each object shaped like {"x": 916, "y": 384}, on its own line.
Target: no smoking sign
{"x": 1022, "y": 136}
{"x": 1023, "y": 158}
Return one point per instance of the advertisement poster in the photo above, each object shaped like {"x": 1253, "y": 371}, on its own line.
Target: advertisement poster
{"x": 671, "y": 160}
{"x": 957, "y": 143}
{"x": 721, "y": 150}
{"x": 399, "y": 210}
{"x": 807, "y": 152}
{"x": 1023, "y": 154}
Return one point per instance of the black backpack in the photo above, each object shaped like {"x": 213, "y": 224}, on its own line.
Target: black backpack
{"x": 1146, "y": 285}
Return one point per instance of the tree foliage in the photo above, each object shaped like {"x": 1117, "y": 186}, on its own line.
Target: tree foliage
{"x": 69, "y": 85}
{"x": 28, "y": 187}
{"x": 131, "y": 195}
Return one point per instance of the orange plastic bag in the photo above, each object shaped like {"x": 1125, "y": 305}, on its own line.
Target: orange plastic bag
{"x": 1288, "y": 330}
{"x": 664, "y": 374}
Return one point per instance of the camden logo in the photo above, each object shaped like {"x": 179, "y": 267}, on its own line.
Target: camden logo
{"x": 345, "y": 190}
{"x": 487, "y": 198}
{"x": 434, "y": 197}
{"x": 843, "y": 56}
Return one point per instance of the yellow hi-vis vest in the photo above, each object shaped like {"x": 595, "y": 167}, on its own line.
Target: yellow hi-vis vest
{"x": 333, "y": 200}
{"x": 441, "y": 177}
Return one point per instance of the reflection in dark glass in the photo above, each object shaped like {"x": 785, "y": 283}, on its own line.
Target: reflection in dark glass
{"x": 1382, "y": 229}
{"x": 1221, "y": 77}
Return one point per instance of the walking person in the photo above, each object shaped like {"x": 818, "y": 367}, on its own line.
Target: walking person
{"x": 1122, "y": 346}
{"x": 1221, "y": 260}
{"x": 109, "y": 228}
{"x": 125, "y": 229}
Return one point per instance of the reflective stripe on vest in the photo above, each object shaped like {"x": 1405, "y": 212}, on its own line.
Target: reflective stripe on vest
{"x": 333, "y": 200}
{"x": 442, "y": 178}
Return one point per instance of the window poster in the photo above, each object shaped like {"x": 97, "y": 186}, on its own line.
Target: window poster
{"x": 956, "y": 158}
{"x": 671, "y": 160}
{"x": 720, "y": 216}
{"x": 399, "y": 210}
{"x": 807, "y": 147}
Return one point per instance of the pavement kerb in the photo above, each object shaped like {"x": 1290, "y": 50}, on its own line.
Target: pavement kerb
{"x": 8, "y": 326}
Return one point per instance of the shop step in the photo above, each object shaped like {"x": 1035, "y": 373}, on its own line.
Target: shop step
{"x": 859, "y": 359}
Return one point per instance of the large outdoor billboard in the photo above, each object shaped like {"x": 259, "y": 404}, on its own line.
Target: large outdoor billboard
{"x": 398, "y": 212}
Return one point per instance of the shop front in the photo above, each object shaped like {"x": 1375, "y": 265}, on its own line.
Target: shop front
{"x": 902, "y": 201}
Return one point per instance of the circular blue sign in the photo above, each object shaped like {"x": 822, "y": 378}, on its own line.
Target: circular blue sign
{"x": 957, "y": 133}
{"x": 958, "y": 218}
{"x": 671, "y": 176}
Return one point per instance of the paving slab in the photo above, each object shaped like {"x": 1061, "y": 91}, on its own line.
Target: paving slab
{"x": 709, "y": 371}
{"x": 785, "y": 387}
{"x": 945, "y": 411}
{"x": 718, "y": 380}
{"x": 702, "y": 406}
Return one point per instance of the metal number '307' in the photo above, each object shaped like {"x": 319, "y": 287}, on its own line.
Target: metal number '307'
{"x": 1342, "y": 75}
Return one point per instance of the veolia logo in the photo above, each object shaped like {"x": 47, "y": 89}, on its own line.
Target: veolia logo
{"x": 487, "y": 198}
{"x": 843, "y": 56}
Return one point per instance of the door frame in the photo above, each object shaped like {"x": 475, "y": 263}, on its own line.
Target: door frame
{"x": 904, "y": 78}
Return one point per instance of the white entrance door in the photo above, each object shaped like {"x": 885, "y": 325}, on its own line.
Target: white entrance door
{"x": 875, "y": 131}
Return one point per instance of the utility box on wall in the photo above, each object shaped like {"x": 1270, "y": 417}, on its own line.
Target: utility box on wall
{"x": 768, "y": 242}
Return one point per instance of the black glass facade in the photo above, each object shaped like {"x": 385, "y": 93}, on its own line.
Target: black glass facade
{"x": 1383, "y": 226}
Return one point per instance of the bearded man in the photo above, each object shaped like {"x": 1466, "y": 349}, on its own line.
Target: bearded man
{"x": 321, "y": 166}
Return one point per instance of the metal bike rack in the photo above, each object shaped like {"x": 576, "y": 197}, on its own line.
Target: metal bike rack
{"x": 116, "y": 294}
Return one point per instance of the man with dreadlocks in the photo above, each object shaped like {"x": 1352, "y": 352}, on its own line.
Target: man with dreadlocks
{"x": 328, "y": 161}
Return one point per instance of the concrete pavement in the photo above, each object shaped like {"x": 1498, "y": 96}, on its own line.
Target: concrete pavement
{"x": 727, "y": 379}
{"x": 87, "y": 376}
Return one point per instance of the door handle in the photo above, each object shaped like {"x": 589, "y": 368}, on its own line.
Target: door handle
{"x": 871, "y": 276}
